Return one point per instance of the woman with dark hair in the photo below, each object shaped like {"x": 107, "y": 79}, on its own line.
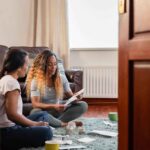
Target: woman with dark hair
{"x": 46, "y": 87}
{"x": 16, "y": 130}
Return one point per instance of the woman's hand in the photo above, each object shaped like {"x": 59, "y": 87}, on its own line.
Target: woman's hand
{"x": 59, "y": 107}
{"x": 41, "y": 123}
{"x": 80, "y": 96}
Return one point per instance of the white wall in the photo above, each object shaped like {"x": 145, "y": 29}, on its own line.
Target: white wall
{"x": 15, "y": 22}
{"x": 94, "y": 57}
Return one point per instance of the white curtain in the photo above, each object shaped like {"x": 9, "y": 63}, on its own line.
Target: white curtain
{"x": 50, "y": 27}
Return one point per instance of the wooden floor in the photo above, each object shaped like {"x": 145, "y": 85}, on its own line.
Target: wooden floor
{"x": 100, "y": 110}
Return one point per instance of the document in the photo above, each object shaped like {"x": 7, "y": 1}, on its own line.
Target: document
{"x": 86, "y": 140}
{"x": 72, "y": 147}
{"x": 74, "y": 97}
{"x": 105, "y": 133}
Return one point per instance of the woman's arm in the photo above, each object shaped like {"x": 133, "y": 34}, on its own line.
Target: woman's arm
{"x": 11, "y": 110}
{"x": 68, "y": 94}
{"x": 36, "y": 103}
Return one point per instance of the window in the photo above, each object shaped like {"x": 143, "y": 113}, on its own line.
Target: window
{"x": 93, "y": 23}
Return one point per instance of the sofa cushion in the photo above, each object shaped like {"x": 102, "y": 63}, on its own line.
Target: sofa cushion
{"x": 3, "y": 50}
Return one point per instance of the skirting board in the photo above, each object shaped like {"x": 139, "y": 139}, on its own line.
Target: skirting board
{"x": 101, "y": 101}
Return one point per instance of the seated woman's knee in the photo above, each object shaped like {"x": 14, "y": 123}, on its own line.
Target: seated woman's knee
{"x": 84, "y": 106}
{"x": 47, "y": 133}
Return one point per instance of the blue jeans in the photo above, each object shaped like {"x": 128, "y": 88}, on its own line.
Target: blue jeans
{"x": 17, "y": 136}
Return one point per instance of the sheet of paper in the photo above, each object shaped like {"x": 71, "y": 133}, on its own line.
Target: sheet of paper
{"x": 72, "y": 147}
{"x": 74, "y": 97}
{"x": 105, "y": 133}
{"x": 79, "y": 92}
{"x": 70, "y": 100}
{"x": 86, "y": 140}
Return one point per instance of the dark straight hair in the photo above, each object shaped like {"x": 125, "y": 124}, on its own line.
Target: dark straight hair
{"x": 14, "y": 59}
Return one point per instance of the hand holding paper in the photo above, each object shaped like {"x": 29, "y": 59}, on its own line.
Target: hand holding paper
{"x": 74, "y": 97}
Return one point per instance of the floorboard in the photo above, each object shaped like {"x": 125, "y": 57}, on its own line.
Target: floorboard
{"x": 100, "y": 110}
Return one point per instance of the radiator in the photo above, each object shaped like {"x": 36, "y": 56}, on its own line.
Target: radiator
{"x": 100, "y": 81}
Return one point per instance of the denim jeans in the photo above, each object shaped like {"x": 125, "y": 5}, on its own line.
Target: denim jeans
{"x": 15, "y": 137}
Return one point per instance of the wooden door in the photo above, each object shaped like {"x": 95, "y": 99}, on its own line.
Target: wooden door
{"x": 134, "y": 76}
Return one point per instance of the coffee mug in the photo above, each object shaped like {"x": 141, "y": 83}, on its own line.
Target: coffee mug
{"x": 52, "y": 145}
{"x": 113, "y": 116}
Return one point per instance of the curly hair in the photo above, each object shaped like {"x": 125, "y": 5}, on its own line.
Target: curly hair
{"x": 38, "y": 72}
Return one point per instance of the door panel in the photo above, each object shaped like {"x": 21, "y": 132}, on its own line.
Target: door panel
{"x": 134, "y": 76}
{"x": 141, "y": 17}
{"x": 141, "y": 108}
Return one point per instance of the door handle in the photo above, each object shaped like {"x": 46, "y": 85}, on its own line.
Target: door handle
{"x": 122, "y": 4}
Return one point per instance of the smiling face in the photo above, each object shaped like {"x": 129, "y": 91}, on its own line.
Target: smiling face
{"x": 51, "y": 65}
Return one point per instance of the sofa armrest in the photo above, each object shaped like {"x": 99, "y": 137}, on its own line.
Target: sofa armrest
{"x": 75, "y": 77}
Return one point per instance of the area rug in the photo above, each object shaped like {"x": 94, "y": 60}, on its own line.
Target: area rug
{"x": 100, "y": 142}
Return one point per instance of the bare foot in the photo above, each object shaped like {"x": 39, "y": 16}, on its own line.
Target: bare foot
{"x": 64, "y": 124}
{"x": 78, "y": 123}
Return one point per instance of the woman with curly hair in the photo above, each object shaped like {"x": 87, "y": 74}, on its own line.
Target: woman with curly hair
{"x": 46, "y": 87}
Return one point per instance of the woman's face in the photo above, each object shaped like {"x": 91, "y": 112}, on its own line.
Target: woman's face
{"x": 52, "y": 65}
{"x": 23, "y": 70}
